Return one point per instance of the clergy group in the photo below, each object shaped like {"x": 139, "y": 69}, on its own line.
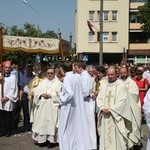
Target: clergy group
{"x": 75, "y": 106}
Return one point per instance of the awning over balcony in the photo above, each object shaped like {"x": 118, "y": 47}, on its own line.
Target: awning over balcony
{"x": 139, "y": 52}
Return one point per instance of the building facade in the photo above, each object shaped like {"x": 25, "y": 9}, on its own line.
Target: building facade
{"x": 120, "y": 30}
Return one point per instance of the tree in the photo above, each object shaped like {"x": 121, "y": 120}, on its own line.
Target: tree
{"x": 30, "y": 30}
{"x": 15, "y": 31}
{"x": 144, "y": 17}
{"x": 49, "y": 34}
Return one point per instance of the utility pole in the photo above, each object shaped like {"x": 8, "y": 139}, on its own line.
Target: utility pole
{"x": 101, "y": 34}
{"x": 1, "y": 59}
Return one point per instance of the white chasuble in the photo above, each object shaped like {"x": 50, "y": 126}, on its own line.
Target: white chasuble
{"x": 135, "y": 106}
{"x": 46, "y": 111}
{"x": 113, "y": 127}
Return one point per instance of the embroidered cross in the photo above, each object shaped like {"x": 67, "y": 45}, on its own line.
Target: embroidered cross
{"x": 109, "y": 96}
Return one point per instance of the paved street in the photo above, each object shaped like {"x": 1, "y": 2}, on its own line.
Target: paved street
{"x": 23, "y": 141}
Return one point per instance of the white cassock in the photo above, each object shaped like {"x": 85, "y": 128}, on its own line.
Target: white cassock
{"x": 146, "y": 108}
{"x": 73, "y": 128}
{"x": 114, "y": 128}
{"x": 87, "y": 84}
{"x": 10, "y": 91}
{"x": 45, "y": 122}
{"x": 135, "y": 106}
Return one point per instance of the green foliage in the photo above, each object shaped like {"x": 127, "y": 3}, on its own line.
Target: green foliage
{"x": 49, "y": 34}
{"x": 144, "y": 16}
{"x": 30, "y": 30}
{"x": 15, "y": 31}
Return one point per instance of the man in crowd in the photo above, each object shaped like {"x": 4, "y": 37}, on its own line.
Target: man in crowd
{"x": 46, "y": 99}
{"x": 92, "y": 71}
{"x": 114, "y": 113}
{"x": 8, "y": 96}
{"x": 73, "y": 128}
{"x": 87, "y": 85}
{"x": 146, "y": 74}
{"x": 19, "y": 71}
{"x": 133, "y": 97}
{"x": 24, "y": 81}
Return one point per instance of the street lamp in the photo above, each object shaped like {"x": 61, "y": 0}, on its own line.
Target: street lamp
{"x": 25, "y": 2}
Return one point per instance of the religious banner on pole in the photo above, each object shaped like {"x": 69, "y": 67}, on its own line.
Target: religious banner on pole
{"x": 30, "y": 44}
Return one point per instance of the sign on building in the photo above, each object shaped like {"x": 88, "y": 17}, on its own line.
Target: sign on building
{"x": 85, "y": 57}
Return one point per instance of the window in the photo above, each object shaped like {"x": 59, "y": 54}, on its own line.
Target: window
{"x": 98, "y": 36}
{"x": 98, "y": 15}
{"x": 105, "y": 37}
{"x": 140, "y": 56}
{"x": 133, "y": 17}
{"x": 105, "y": 15}
{"x": 114, "y": 36}
{"x": 91, "y": 15}
{"x": 138, "y": 37}
{"x": 114, "y": 15}
{"x": 91, "y": 37}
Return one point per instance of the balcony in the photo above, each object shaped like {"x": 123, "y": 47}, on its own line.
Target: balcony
{"x": 135, "y": 5}
{"x": 134, "y": 26}
{"x": 139, "y": 46}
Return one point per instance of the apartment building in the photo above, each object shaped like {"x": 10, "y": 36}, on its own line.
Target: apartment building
{"x": 139, "y": 45}
{"x": 122, "y": 36}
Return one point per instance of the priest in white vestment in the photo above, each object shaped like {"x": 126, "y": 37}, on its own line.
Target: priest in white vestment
{"x": 42, "y": 66}
{"x": 135, "y": 106}
{"x": 87, "y": 84}
{"x": 46, "y": 99}
{"x": 7, "y": 100}
{"x": 73, "y": 128}
{"x": 146, "y": 108}
{"x": 114, "y": 120}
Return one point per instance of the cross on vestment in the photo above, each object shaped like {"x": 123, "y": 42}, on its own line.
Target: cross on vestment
{"x": 109, "y": 96}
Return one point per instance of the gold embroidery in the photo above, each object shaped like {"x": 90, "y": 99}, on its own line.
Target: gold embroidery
{"x": 109, "y": 96}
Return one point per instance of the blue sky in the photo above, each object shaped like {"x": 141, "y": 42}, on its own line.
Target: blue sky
{"x": 53, "y": 14}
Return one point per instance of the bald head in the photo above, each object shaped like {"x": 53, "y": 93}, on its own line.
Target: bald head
{"x": 111, "y": 73}
{"x": 123, "y": 73}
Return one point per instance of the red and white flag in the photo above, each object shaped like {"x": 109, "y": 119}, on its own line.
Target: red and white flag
{"x": 90, "y": 27}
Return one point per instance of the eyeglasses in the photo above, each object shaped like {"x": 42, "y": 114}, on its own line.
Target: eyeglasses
{"x": 50, "y": 73}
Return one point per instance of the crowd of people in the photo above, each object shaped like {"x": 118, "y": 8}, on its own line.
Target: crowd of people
{"x": 76, "y": 106}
